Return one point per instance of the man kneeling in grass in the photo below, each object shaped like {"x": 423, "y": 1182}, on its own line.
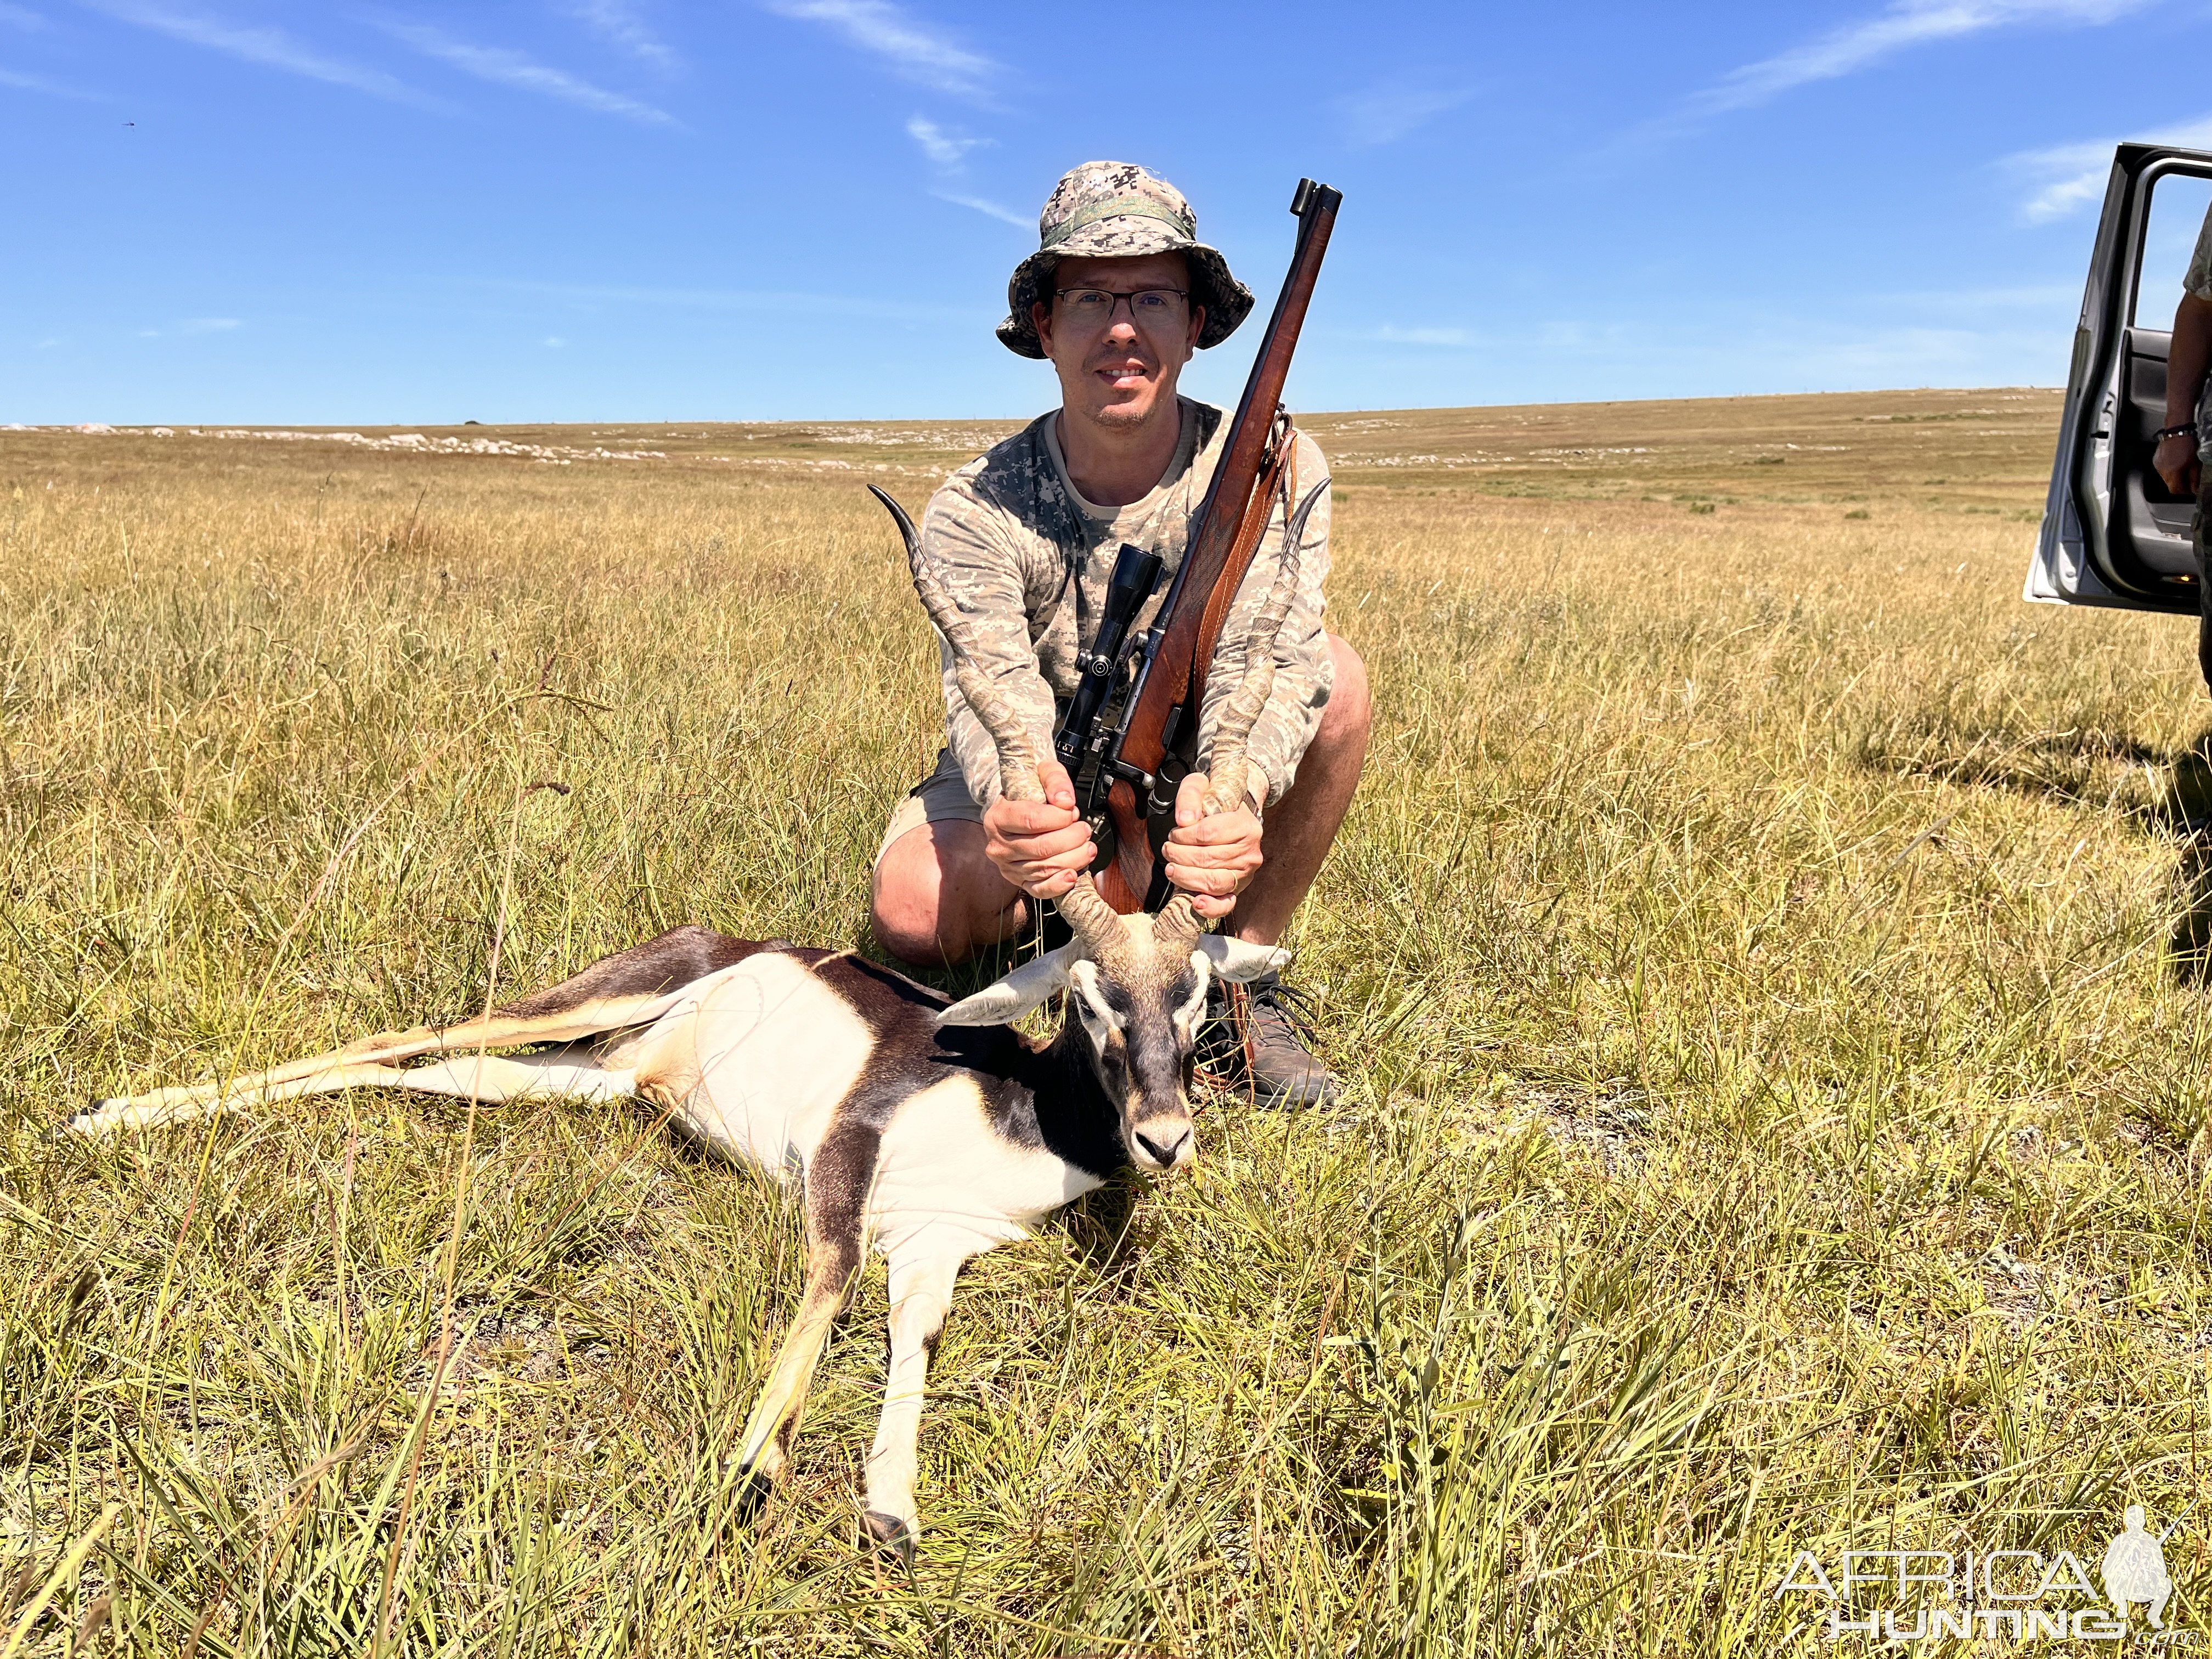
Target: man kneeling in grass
{"x": 1117, "y": 298}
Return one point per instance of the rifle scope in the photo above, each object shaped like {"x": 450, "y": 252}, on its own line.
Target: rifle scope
{"x": 1136, "y": 573}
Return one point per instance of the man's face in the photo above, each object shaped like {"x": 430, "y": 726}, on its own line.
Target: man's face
{"x": 1117, "y": 370}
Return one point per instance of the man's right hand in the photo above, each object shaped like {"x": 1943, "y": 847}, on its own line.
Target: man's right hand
{"x": 1040, "y": 846}
{"x": 2178, "y": 463}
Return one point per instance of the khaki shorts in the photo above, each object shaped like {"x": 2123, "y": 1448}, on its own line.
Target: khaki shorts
{"x": 940, "y": 797}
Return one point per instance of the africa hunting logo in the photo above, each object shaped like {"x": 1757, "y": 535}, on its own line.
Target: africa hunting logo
{"x": 2018, "y": 1594}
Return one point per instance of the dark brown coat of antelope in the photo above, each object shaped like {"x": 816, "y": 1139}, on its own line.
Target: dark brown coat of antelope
{"x": 928, "y": 1132}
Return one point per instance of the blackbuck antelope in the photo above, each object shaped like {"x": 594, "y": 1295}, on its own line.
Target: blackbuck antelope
{"x": 929, "y": 1131}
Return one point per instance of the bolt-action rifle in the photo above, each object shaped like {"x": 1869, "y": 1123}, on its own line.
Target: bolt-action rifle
{"x": 1130, "y": 735}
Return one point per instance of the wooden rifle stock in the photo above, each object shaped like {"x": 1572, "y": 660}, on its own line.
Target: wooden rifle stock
{"x": 1224, "y": 540}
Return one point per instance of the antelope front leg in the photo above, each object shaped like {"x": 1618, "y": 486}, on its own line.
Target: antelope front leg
{"x": 767, "y": 1441}
{"x": 839, "y": 1177}
{"x": 920, "y": 1291}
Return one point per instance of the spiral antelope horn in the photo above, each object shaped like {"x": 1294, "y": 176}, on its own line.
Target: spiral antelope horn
{"x": 1088, "y": 914}
{"x": 1227, "y": 769}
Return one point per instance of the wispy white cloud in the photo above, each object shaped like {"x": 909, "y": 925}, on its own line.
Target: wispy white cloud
{"x": 272, "y": 48}
{"x": 193, "y": 326}
{"x": 2064, "y": 178}
{"x": 52, "y": 88}
{"x": 2061, "y": 179}
{"x": 590, "y": 297}
{"x": 617, "y": 22}
{"x": 506, "y": 67}
{"x": 1393, "y": 334}
{"x": 948, "y": 153}
{"x": 1904, "y": 24}
{"x": 1735, "y": 349}
{"x": 917, "y": 50}
{"x": 1979, "y": 302}
{"x": 945, "y": 149}
{"x": 980, "y": 205}
{"x": 1388, "y": 109}
{"x": 21, "y": 17}
{"x": 1925, "y": 356}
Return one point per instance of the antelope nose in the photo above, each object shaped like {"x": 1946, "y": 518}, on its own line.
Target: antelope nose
{"x": 1165, "y": 1144}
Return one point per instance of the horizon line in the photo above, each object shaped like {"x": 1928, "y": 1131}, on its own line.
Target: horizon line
{"x": 175, "y": 425}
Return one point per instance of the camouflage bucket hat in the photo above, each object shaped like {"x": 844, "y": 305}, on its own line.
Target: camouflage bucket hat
{"x": 1114, "y": 210}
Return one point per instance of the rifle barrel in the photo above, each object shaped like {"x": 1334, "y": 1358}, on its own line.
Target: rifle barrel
{"x": 1229, "y": 496}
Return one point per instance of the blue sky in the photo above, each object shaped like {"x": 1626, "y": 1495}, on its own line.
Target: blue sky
{"x": 234, "y": 210}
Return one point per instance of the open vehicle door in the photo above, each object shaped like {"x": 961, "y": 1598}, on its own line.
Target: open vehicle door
{"x": 2113, "y": 534}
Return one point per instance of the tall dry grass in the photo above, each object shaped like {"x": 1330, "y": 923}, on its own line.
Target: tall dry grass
{"x": 1762, "y": 956}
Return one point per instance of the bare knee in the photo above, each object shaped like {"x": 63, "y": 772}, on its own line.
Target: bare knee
{"x": 1350, "y": 709}
{"x": 907, "y": 901}
{"x": 937, "y": 899}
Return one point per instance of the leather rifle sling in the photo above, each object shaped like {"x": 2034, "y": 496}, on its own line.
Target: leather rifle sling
{"x": 1279, "y": 477}
{"x": 1126, "y": 876}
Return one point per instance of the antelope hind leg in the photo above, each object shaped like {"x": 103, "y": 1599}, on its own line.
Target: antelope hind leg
{"x": 162, "y": 1106}
{"x": 631, "y": 988}
{"x": 493, "y": 1079}
{"x": 489, "y": 1077}
{"x": 369, "y": 1061}
{"x": 921, "y": 1291}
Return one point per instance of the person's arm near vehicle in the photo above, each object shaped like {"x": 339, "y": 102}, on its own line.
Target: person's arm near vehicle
{"x": 2188, "y": 360}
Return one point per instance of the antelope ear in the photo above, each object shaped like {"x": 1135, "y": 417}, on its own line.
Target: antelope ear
{"x": 1236, "y": 961}
{"x": 1018, "y": 993}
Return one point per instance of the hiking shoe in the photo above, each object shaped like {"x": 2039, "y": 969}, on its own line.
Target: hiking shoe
{"x": 1257, "y": 1045}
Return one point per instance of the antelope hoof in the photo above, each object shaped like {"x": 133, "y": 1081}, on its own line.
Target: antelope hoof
{"x": 90, "y": 1124}
{"x": 892, "y": 1536}
{"x": 755, "y": 1486}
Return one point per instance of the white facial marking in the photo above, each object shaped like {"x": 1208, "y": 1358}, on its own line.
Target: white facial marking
{"x": 1192, "y": 1014}
{"x": 1097, "y": 1014}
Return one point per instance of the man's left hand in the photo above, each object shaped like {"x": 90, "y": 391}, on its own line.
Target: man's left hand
{"x": 1213, "y": 858}
{"x": 2176, "y": 459}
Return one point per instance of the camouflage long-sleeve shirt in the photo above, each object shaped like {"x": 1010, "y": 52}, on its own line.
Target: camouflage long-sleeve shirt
{"x": 1015, "y": 543}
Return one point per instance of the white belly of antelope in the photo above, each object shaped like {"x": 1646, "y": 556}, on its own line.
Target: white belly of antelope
{"x": 757, "y": 1064}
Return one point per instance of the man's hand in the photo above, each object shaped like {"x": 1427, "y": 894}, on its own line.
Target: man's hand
{"x": 2178, "y": 463}
{"x": 1040, "y": 846}
{"x": 1212, "y": 859}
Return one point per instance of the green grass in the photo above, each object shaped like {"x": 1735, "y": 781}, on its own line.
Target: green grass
{"x": 1761, "y": 957}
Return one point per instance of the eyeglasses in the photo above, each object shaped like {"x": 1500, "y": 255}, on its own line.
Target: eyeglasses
{"x": 1149, "y": 307}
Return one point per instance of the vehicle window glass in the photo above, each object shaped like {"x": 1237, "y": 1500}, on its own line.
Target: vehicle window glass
{"x": 2178, "y": 206}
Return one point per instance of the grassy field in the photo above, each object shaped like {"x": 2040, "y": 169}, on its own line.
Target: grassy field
{"x": 1762, "y": 955}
